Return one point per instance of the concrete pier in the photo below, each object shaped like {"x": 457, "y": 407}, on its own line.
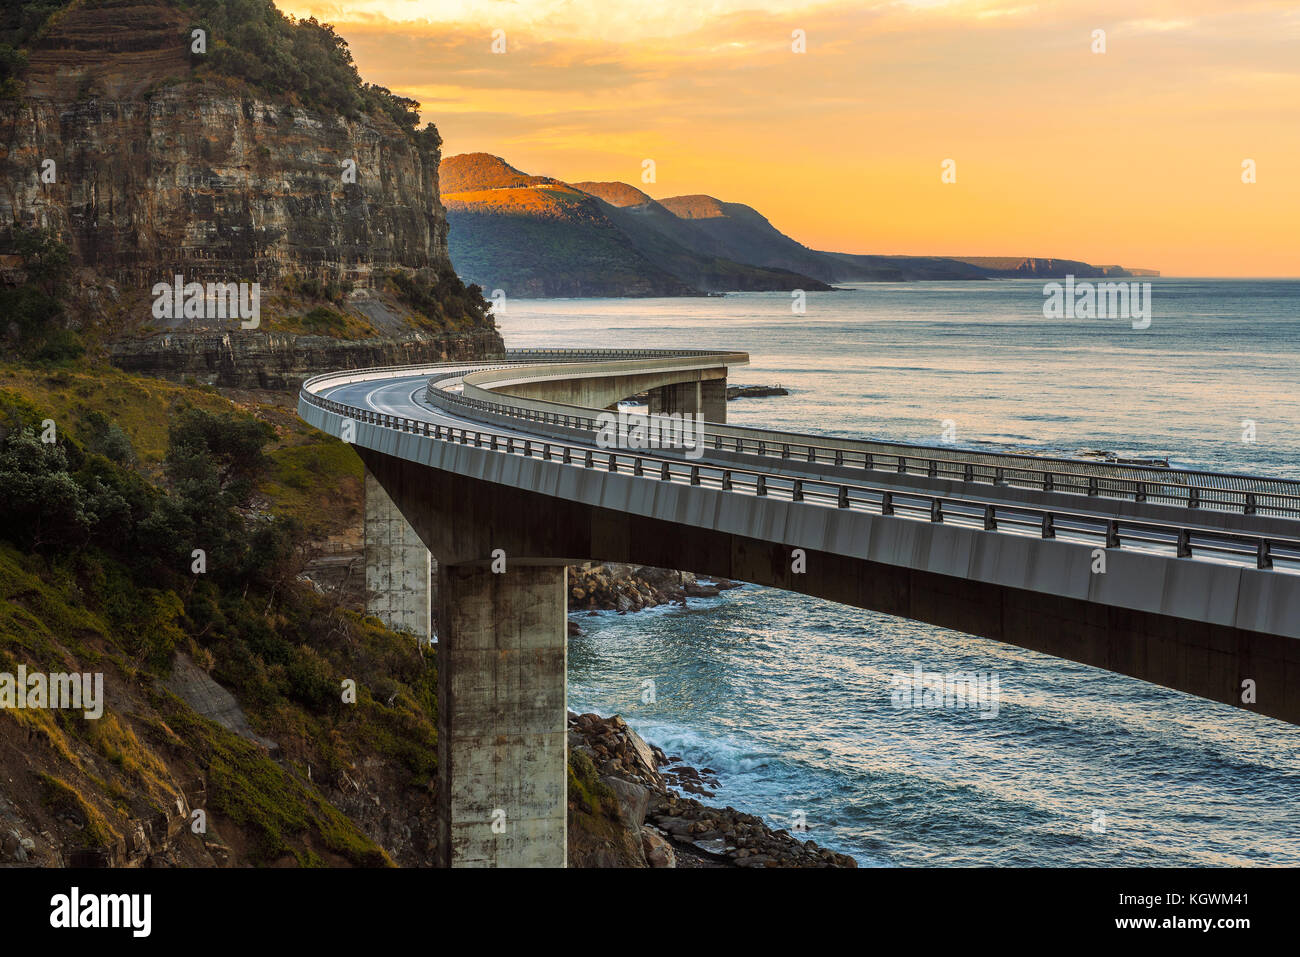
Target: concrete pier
{"x": 502, "y": 736}
{"x": 713, "y": 400}
{"x": 707, "y": 397}
{"x": 398, "y": 567}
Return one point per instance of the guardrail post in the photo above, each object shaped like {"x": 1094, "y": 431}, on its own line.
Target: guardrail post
{"x": 1141, "y": 494}
{"x": 717, "y": 442}
{"x": 969, "y": 474}
{"x": 797, "y": 494}
{"x": 887, "y": 503}
{"x": 1193, "y": 497}
{"x": 1049, "y": 526}
{"x": 726, "y": 480}
{"x": 1263, "y": 554}
{"x": 785, "y": 450}
{"x": 812, "y": 454}
{"x": 528, "y": 449}
{"x": 998, "y": 476}
{"x": 1048, "y": 483}
{"x": 437, "y": 431}
{"x": 1092, "y": 485}
{"x": 762, "y": 448}
{"x": 664, "y": 474}
{"x": 565, "y": 457}
{"x": 613, "y": 462}
{"x": 1112, "y": 534}
{"x": 760, "y": 488}
{"x": 902, "y": 465}
{"x": 936, "y": 510}
{"x": 990, "y": 519}
{"x": 636, "y": 467}
{"x": 868, "y": 462}
{"x": 843, "y": 501}
{"x": 1250, "y": 504}
{"x": 1184, "y": 543}
{"x": 839, "y": 457}
{"x": 695, "y": 475}
{"x": 932, "y": 469}
{"x": 587, "y": 462}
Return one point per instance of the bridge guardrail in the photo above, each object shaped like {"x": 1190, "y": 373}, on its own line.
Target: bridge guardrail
{"x": 1243, "y": 494}
{"x": 994, "y": 516}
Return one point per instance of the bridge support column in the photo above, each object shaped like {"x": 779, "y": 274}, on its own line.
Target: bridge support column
{"x": 683, "y": 397}
{"x": 502, "y": 718}
{"x": 707, "y": 398}
{"x": 399, "y": 567}
{"x": 713, "y": 400}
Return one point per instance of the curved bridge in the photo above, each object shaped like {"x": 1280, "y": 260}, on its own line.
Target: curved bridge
{"x": 509, "y": 470}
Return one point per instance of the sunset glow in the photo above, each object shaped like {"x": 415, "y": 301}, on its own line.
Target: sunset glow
{"x": 1133, "y": 156}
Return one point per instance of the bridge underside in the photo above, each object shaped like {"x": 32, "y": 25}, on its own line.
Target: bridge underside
{"x": 463, "y": 520}
{"x": 502, "y": 661}
{"x": 702, "y": 391}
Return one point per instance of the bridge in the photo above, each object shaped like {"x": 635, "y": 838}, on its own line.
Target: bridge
{"x": 506, "y": 471}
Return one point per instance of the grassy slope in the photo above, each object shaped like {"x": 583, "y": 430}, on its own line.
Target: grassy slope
{"x": 86, "y": 780}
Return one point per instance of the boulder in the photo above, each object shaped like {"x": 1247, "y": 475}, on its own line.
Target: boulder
{"x": 633, "y": 799}
{"x": 658, "y": 851}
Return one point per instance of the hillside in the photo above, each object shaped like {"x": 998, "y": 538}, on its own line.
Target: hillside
{"x": 264, "y": 160}
{"x": 497, "y": 213}
{"x": 538, "y": 236}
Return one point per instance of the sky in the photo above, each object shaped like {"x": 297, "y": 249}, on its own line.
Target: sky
{"x": 1132, "y": 156}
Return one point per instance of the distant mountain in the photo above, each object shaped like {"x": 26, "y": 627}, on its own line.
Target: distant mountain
{"x": 679, "y": 246}
{"x": 541, "y": 236}
{"x": 538, "y": 236}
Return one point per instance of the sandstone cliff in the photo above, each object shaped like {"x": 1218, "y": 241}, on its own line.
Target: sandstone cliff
{"x": 163, "y": 167}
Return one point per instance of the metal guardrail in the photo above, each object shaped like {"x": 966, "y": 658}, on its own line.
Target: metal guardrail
{"x": 993, "y": 516}
{"x": 1242, "y": 494}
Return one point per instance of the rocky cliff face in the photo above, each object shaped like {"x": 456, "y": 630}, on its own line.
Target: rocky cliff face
{"x": 272, "y": 361}
{"x": 156, "y": 174}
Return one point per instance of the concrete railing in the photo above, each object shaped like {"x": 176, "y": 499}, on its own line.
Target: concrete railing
{"x": 1182, "y": 540}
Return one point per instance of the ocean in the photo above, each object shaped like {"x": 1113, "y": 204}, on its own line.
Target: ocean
{"x": 788, "y": 698}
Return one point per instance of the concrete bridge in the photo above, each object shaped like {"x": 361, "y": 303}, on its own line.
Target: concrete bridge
{"x": 506, "y": 471}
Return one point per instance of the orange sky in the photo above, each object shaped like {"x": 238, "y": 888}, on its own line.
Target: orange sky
{"x": 1133, "y": 156}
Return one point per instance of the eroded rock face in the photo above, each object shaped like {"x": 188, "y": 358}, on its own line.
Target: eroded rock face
{"x": 271, "y": 361}
{"x": 157, "y": 174}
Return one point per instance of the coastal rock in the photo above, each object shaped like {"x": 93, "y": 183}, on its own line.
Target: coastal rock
{"x": 698, "y": 835}
{"x": 658, "y": 851}
{"x": 627, "y": 588}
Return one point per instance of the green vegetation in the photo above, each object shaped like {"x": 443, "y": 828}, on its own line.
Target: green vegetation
{"x": 443, "y": 298}
{"x": 19, "y": 24}
{"x": 35, "y": 327}
{"x": 587, "y": 792}
{"x": 96, "y": 570}
{"x": 302, "y": 60}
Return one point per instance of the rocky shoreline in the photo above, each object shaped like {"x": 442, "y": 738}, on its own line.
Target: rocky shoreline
{"x": 624, "y": 588}
{"x": 754, "y": 391}
{"x": 625, "y": 810}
